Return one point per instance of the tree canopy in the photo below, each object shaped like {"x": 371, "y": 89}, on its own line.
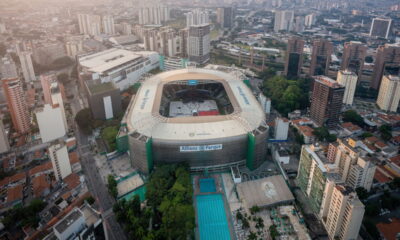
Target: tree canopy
{"x": 386, "y": 132}
{"x": 109, "y": 135}
{"x": 323, "y": 134}
{"x": 287, "y": 95}
{"x": 169, "y": 212}
{"x": 84, "y": 119}
{"x": 353, "y": 117}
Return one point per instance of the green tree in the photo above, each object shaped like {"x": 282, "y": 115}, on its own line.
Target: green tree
{"x": 362, "y": 193}
{"x": 366, "y": 135}
{"x": 323, "y": 134}
{"x": 386, "y": 132}
{"x": 63, "y": 78}
{"x": 353, "y": 117}
{"x": 254, "y": 209}
{"x": 273, "y": 232}
{"x": 109, "y": 135}
{"x": 371, "y": 228}
{"x": 372, "y": 210}
{"x": 112, "y": 186}
{"x": 84, "y": 120}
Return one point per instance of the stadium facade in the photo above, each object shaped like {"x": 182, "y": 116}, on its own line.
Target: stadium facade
{"x": 207, "y": 118}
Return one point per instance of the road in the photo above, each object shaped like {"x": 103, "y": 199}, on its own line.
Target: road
{"x": 94, "y": 181}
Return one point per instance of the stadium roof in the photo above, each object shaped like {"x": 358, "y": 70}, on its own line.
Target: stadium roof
{"x": 265, "y": 192}
{"x": 144, "y": 118}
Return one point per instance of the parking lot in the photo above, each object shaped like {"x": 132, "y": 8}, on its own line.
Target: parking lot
{"x": 119, "y": 166}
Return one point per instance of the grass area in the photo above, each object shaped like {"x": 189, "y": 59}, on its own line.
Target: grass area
{"x": 217, "y": 58}
{"x": 243, "y": 46}
{"x": 214, "y": 34}
{"x": 99, "y": 88}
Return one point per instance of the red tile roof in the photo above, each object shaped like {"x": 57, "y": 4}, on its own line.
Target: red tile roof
{"x": 380, "y": 144}
{"x": 381, "y": 178}
{"x": 40, "y": 184}
{"x": 73, "y": 158}
{"x": 306, "y": 130}
{"x": 72, "y": 181}
{"x": 18, "y": 177}
{"x": 350, "y": 126}
{"x": 372, "y": 139}
{"x": 14, "y": 193}
{"x": 389, "y": 230}
{"x": 395, "y": 160}
{"x": 41, "y": 168}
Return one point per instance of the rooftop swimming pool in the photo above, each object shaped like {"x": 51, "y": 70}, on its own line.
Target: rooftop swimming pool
{"x": 211, "y": 216}
{"x": 207, "y": 185}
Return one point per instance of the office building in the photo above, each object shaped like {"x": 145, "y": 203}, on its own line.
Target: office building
{"x": 183, "y": 36}
{"x": 389, "y": 93}
{"x": 108, "y": 25}
{"x": 387, "y": 62}
{"x": 172, "y": 63}
{"x": 380, "y": 27}
{"x": 122, "y": 67}
{"x": 17, "y": 104}
{"x": 156, "y": 14}
{"x": 345, "y": 214}
{"x": 294, "y": 57}
{"x": 321, "y": 57}
{"x": 4, "y": 144}
{"x": 8, "y": 69}
{"x": 354, "y": 54}
{"x": 326, "y": 101}
{"x": 349, "y": 80}
{"x": 27, "y": 66}
{"x": 104, "y": 100}
{"x": 283, "y": 21}
{"x": 197, "y": 17}
{"x": 199, "y": 43}
{"x": 309, "y": 20}
{"x": 225, "y": 17}
{"x": 281, "y": 128}
{"x": 51, "y": 123}
{"x": 58, "y": 154}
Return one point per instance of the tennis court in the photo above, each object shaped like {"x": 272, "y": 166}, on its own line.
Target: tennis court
{"x": 212, "y": 220}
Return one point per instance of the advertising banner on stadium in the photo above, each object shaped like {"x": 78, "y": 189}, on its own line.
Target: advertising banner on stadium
{"x": 200, "y": 148}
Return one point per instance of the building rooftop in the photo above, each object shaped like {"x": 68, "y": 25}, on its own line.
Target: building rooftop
{"x": 265, "y": 192}
{"x": 390, "y": 230}
{"x": 72, "y": 181}
{"x": 15, "y": 193}
{"x": 103, "y": 61}
{"x": 39, "y": 185}
{"x": 327, "y": 81}
{"x": 74, "y": 215}
{"x": 100, "y": 88}
{"x": 41, "y": 168}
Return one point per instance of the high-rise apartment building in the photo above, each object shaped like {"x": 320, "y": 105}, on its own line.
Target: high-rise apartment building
{"x": 326, "y": 101}
{"x": 353, "y": 57}
{"x": 225, "y": 17}
{"x": 321, "y": 57}
{"x": 27, "y": 66}
{"x": 8, "y": 69}
{"x": 46, "y": 80}
{"x": 283, "y": 21}
{"x": 183, "y": 36}
{"x": 60, "y": 160}
{"x": 294, "y": 57}
{"x": 199, "y": 43}
{"x": 74, "y": 48}
{"x": 309, "y": 20}
{"x": 51, "y": 123}
{"x": 197, "y": 17}
{"x": 4, "y": 144}
{"x": 387, "y": 62}
{"x": 345, "y": 214}
{"x": 108, "y": 25}
{"x": 355, "y": 168}
{"x": 154, "y": 14}
{"x": 349, "y": 80}
{"x": 165, "y": 41}
{"x": 312, "y": 175}
{"x": 126, "y": 29}
{"x": 57, "y": 101}
{"x": 380, "y": 27}
{"x": 89, "y": 24}
{"x": 389, "y": 93}
{"x": 17, "y": 104}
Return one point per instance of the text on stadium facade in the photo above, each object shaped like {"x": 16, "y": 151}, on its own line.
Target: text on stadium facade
{"x": 200, "y": 148}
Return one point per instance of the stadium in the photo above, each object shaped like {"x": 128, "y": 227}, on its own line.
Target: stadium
{"x": 205, "y": 117}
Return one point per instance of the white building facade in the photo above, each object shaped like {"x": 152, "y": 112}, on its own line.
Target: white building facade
{"x": 349, "y": 80}
{"x": 51, "y": 123}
